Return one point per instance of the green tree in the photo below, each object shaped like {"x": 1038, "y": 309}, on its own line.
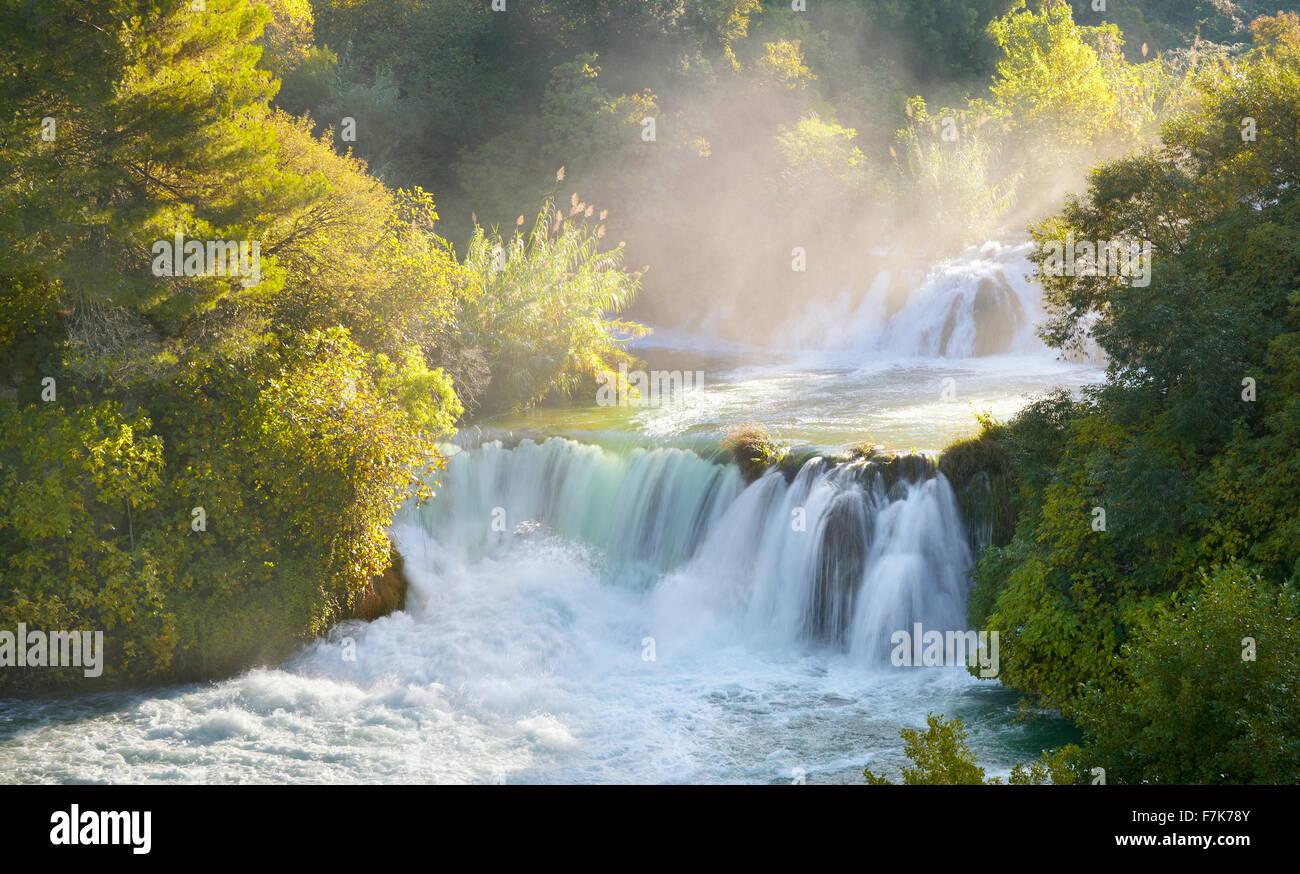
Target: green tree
{"x": 1188, "y": 449}
{"x": 819, "y": 159}
{"x": 213, "y": 479}
{"x": 940, "y": 756}
{"x": 1050, "y": 82}
{"x": 76, "y": 485}
{"x": 1209, "y": 694}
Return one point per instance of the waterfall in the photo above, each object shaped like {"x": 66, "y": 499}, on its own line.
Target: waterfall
{"x": 644, "y": 510}
{"x": 835, "y": 554}
{"x": 978, "y": 303}
{"x": 582, "y": 613}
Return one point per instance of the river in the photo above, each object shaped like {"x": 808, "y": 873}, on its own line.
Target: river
{"x": 594, "y": 598}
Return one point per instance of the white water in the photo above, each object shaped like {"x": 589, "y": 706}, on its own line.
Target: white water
{"x": 837, "y": 554}
{"x": 979, "y": 303}
{"x": 908, "y": 362}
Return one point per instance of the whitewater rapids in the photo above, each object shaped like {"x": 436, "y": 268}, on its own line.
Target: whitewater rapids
{"x": 643, "y": 617}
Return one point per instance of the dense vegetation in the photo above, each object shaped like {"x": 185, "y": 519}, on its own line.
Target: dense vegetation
{"x": 940, "y": 757}
{"x": 772, "y": 128}
{"x": 1148, "y": 588}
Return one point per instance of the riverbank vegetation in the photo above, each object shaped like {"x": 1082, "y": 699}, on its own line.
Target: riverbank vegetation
{"x": 940, "y": 756}
{"x": 1148, "y": 589}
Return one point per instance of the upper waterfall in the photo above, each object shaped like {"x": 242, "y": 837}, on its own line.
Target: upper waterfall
{"x": 981, "y": 302}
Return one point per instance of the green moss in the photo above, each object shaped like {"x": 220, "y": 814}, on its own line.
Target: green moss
{"x": 861, "y": 451}
{"x": 753, "y": 449}
{"x": 979, "y": 470}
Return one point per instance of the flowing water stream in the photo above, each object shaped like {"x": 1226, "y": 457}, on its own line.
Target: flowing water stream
{"x": 595, "y": 598}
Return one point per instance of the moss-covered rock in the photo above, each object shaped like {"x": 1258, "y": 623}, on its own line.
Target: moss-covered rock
{"x": 979, "y": 470}
{"x": 753, "y": 449}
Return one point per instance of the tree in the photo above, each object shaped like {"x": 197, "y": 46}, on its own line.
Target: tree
{"x": 940, "y": 756}
{"x": 211, "y": 476}
{"x": 76, "y": 485}
{"x": 1049, "y": 82}
{"x": 1209, "y": 694}
{"x": 1188, "y": 451}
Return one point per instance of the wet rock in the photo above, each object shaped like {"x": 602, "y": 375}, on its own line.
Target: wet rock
{"x": 998, "y": 316}
{"x": 384, "y": 594}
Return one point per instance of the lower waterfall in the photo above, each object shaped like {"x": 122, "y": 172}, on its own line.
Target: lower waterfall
{"x": 841, "y": 554}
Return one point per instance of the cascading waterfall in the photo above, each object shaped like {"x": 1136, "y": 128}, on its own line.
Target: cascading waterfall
{"x": 645, "y": 511}
{"x": 578, "y": 613}
{"x": 840, "y": 554}
{"x": 979, "y": 303}
{"x": 585, "y": 614}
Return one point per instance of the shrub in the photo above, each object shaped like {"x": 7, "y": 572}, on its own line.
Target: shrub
{"x": 542, "y": 306}
{"x": 940, "y": 757}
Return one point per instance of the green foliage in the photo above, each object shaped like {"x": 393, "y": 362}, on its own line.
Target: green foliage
{"x": 424, "y": 80}
{"x": 1189, "y": 449}
{"x": 862, "y": 450}
{"x": 542, "y": 306}
{"x": 939, "y": 756}
{"x": 182, "y": 144}
{"x": 299, "y": 458}
{"x": 768, "y": 122}
{"x": 1059, "y": 767}
{"x": 782, "y": 65}
{"x": 291, "y": 416}
{"x": 1049, "y": 80}
{"x": 1062, "y": 95}
{"x": 959, "y": 183}
{"x": 1164, "y": 25}
{"x": 76, "y": 481}
{"x": 580, "y": 126}
{"x": 300, "y": 411}
{"x": 1209, "y": 695}
{"x": 946, "y": 39}
{"x": 979, "y": 470}
{"x": 819, "y": 160}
